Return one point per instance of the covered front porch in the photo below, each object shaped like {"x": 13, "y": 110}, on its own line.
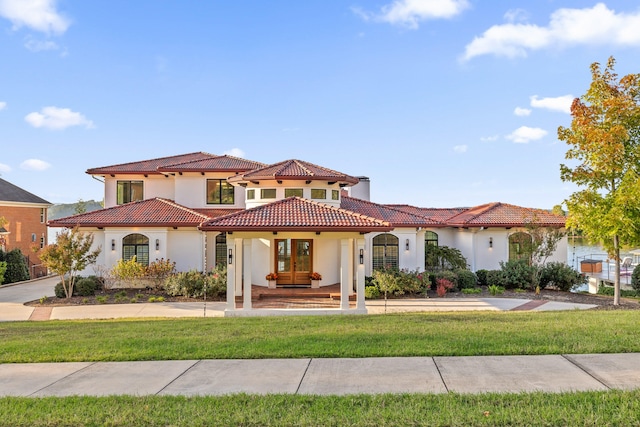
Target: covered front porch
{"x": 339, "y": 256}
{"x": 293, "y": 238}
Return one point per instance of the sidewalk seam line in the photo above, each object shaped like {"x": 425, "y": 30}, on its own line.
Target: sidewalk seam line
{"x": 579, "y": 366}
{"x": 304, "y": 374}
{"x": 178, "y": 376}
{"x": 65, "y": 377}
{"x": 444, "y": 383}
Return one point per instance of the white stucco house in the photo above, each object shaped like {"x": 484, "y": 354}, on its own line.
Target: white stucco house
{"x": 291, "y": 218}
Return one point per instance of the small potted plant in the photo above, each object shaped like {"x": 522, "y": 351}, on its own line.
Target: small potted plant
{"x": 272, "y": 277}
{"x": 315, "y": 279}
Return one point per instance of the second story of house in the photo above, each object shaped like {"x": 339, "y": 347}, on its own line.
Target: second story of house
{"x": 205, "y": 181}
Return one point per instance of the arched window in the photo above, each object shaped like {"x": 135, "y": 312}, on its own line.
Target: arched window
{"x": 138, "y": 245}
{"x": 430, "y": 249}
{"x": 385, "y": 251}
{"x": 430, "y": 239}
{"x": 520, "y": 246}
{"x": 221, "y": 249}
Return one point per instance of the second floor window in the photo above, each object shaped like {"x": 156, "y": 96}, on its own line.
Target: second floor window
{"x": 129, "y": 191}
{"x": 219, "y": 192}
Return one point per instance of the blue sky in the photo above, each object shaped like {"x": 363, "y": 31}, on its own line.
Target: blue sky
{"x": 441, "y": 103}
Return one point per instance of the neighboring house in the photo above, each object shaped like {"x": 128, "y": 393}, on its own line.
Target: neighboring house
{"x": 26, "y": 224}
{"x": 291, "y": 218}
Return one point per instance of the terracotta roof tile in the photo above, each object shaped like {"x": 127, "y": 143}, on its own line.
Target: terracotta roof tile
{"x": 296, "y": 214}
{"x": 216, "y": 163}
{"x": 505, "y": 215}
{"x": 295, "y": 170}
{"x": 396, "y": 217}
{"x": 146, "y": 213}
{"x": 437, "y": 214}
{"x": 148, "y": 166}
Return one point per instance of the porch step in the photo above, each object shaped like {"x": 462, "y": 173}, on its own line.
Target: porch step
{"x": 285, "y": 294}
{"x": 337, "y": 297}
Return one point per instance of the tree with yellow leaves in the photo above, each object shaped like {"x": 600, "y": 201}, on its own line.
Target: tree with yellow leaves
{"x": 604, "y": 149}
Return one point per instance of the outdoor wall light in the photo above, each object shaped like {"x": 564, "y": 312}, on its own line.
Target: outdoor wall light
{"x": 157, "y": 244}
{"x": 230, "y": 256}
{"x": 490, "y": 242}
{"x": 361, "y": 256}
{"x": 113, "y": 244}
{"x": 406, "y": 244}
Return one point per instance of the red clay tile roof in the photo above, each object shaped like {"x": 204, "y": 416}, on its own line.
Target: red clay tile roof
{"x": 396, "y": 217}
{"x": 191, "y": 162}
{"x": 505, "y": 215}
{"x": 296, "y": 214}
{"x": 436, "y": 214}
{"x": 146, "y": 213}
{"x": 295, "y": 170}
{"x": 216, "y": 163}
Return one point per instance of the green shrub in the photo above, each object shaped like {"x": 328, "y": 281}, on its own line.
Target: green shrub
{"x": 387, "y": 282}
{"x": 159, "y": 270}
{"x": 17, "y": 270}
{"x": 58, "y": 290}
{"x": 444, "y": 274}
{"x": 482, "y": 277}
{"x": 471, "y": 291}
{"x": 635, "y": 278}
{"x": 495, "y": 277}
{"x": 371, "y": 292}
{"x": 129, "y": 271}
{"x": 188, "y": 284}
{"x": 3, "y": 268}
{"x": 216, "y": 282}
{"x": 84, "y": 287}
{"x": 608, "y": 290}
{"x": 518, "y": 274}
{"x": 561, "y": 276}
{"x": 466, "y": 279}
{"x": 102, "y": 299}
{"x": 496, "y": 290}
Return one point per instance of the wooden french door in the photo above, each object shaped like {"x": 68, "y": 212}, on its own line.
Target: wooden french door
{"x": 294, "y": 261}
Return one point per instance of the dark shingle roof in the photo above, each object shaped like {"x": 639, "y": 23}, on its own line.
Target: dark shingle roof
{"x": 13, "y": 193}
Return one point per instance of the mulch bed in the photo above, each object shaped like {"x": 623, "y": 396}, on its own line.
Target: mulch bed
{"x": 116, "y": 296}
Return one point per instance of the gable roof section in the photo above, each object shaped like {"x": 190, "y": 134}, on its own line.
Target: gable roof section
{"x": 396, "y": 217}
{"x": 296, "y": 214}
{"x": 146, "y": 213}
{"x": 505, "y": 215}
{"x": 12, "y": 193}
{"x": 295, "y": 170}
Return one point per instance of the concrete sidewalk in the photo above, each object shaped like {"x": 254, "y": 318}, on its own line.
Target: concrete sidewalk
{"x": 13, "y": 297}
{"x": 476, "y": 374}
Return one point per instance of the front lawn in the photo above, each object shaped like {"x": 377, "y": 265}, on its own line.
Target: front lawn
{"x": 418, "y": 334}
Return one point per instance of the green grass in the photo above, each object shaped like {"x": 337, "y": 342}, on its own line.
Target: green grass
{"x": 613, "y": 408}
{"x": 425, "y": 334}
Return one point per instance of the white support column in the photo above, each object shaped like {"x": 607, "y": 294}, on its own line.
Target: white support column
{"x": 246, "y": 277}
{"x": 360, "y": 275}
{"x": 237, "y": 259}
{"x": 345, "y": 280}
{"x": 231, "y": 276}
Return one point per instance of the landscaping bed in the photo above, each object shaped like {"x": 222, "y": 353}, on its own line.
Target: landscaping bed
{"x": 116, "y": 296}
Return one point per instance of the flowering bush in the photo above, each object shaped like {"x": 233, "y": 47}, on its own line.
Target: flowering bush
{"x": 271, "y": 276}
{"x": 442, "y": 286}
{"x": 315, "y": 276}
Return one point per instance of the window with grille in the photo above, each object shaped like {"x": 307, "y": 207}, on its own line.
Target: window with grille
{"x": 385, "y": 251}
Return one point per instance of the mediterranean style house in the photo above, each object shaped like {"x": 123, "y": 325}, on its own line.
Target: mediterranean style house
{"x": 25, "y": 224}
{"x": 292, "y": 218}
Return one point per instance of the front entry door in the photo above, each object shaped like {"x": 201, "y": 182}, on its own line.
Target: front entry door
{"x": 293, "y": 261}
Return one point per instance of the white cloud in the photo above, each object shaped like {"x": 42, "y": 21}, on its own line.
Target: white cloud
{"x": 567, "y": 27}
{"x": 489, "y": 138}
{"x": 57, "y": 119}
{"x": 516, "y": 15}
{"x": 35, "y": 165}
{"x": 560, "y": 103}
{"x": 460, "y": 148}
{"x": 522, "y": 112}
{"x": 39, "y": 15}
{"x": 3, "y": 105}
{"x": 235, "y": 152}
{"x": 40, "y": 45}
{"x": 525, "y": 134}
{"x": 5, "y": 168}
{"x": 409, "y": 13}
